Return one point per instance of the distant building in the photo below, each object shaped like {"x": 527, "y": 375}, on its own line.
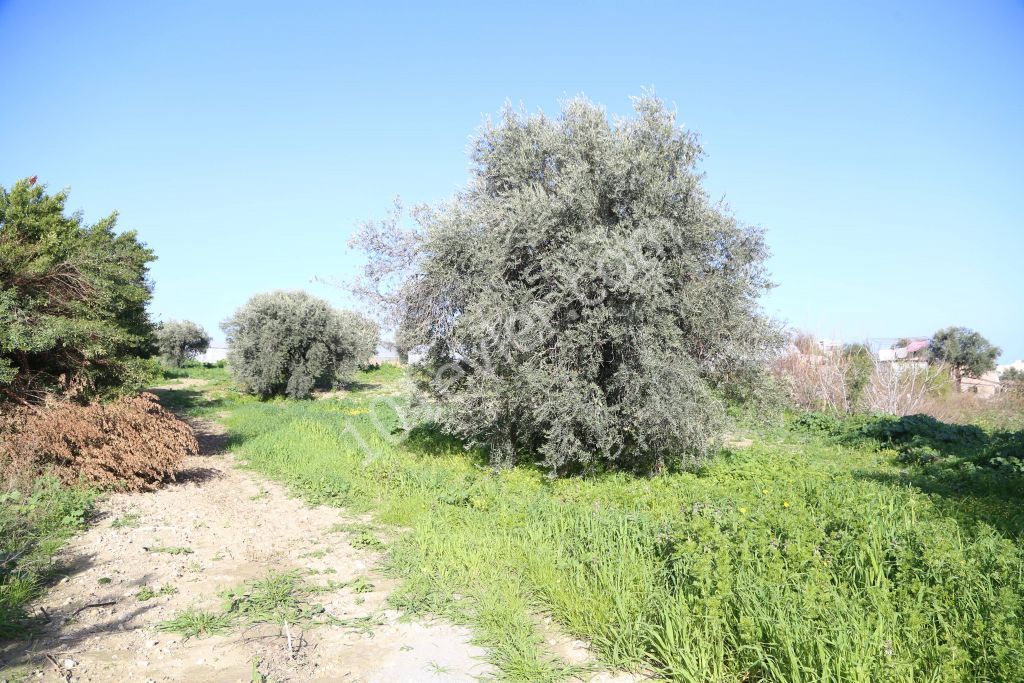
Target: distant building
{"x": 987, "y": 385}
{"x": 213, "y": 354}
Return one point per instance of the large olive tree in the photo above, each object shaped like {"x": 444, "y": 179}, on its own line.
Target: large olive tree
{"x": 582, "y": 300}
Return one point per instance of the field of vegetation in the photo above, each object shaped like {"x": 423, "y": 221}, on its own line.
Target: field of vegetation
{"x": 590, "y": 334}
{"x": 828, "y": 550}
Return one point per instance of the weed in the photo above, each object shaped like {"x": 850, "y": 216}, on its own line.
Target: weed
{"x": 438, "y": 669}
{"x": 365, "y": 539}
{"x": 363, "y": 625}
{"x": 255, "y": 676}
{"x": 170, "y": 550}
{"x": 361, "y": 585}
{"x": 103, "y": 580}
{"x": 196, "y": 623}
{"x": 129, "y": 519}
{"x": 147, "y": 593}
{"x": 279, "y": 597}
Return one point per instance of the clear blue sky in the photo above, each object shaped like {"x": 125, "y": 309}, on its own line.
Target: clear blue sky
{"x": 880, "y": 144}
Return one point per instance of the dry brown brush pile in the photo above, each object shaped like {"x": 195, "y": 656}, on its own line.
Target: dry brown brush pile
{"x": 130, "y": 444}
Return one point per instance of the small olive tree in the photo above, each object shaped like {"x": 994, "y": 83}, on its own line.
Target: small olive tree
{"x": 582, "y": 300}
{"x": 965, "y": 351}
{"x": 180, "y": 340}
{"x": 291, "y": 343}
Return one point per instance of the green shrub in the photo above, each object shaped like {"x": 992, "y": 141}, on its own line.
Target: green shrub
{"x": 72, "y": 300}
{"x": 583, "y": 300}
{"x": 925, "y": 441}
{"x": 291, "y": 343}
{"x": 180, "y": 341}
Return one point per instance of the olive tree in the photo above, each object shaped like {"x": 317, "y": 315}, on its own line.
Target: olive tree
{"x": 291, "y": 343}
{"x": 582, "y": 301}
{"x": 965, "y": 351}
{"x": 179, "y": 341}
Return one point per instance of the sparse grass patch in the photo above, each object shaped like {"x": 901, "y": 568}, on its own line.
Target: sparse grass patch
{"x": 146, "y": 593}
{"x": 170, "y": 550}
{"x": 277, "y": 598}
{"x": 129, "y": 519}
{"x": 197, "y": 623}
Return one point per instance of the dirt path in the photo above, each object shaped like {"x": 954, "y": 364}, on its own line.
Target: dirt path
{"x": 217, "y": 528}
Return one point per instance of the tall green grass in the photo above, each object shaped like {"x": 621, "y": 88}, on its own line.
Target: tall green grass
{"x": 797, "y": 559}
{"x": 35, "y": 520}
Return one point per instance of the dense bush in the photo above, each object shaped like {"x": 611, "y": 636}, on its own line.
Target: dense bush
{"x": 130, "y": 444}
{"x": 583, "y": 299}
{"x": 72, "y": 300}
{"x": 926, "y": 441}
{"x": 179, "y": 341}
{"x": 291, "y": 343}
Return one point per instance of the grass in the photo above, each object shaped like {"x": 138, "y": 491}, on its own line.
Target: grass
{"x": 197, "y": 623}
{"x": 127, "y": 520}
{"x": 34, "y": 523}
{"x": 801, "y": 558}
{"x": 170, "y": 550}
{"x": 278, "y": 598}
{"x": 146, "y": 593}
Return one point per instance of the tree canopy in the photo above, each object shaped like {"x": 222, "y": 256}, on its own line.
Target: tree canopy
{"x": 180, "y": 340}
{"x": 72, "y": 299}
{"x": 582, "y": 300}
{"x": 292, "y": 343}
{"x": 965, "y": 351}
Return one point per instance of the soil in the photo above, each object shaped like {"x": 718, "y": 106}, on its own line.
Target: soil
{"x": 238, "y": 527}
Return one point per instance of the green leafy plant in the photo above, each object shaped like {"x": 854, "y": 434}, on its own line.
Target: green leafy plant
{"x": 292, "y": 343}
{"x": 146, "y": 593}
{"x": 583, "y": 301}
{"x": 72, "y": 300}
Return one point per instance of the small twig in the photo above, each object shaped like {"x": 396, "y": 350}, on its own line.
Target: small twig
{"x": 108, "y": 603}
{"x": 66, "y": 675}
{"x": 288, "y": 632}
